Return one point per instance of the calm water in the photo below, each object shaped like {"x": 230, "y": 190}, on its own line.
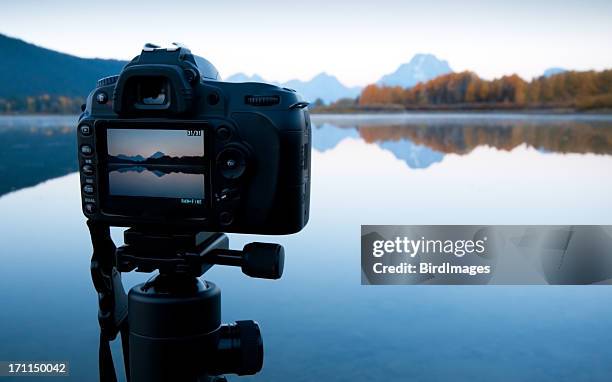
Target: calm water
{"x": 318, "y": 322}
{"x": 153, "y": 181}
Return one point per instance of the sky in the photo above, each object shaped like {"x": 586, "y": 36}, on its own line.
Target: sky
{"x": 357, "y": 41}
{"x": 174, "y": 143}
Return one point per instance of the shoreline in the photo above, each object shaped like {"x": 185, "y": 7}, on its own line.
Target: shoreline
{"x": 555, "y": 111}
{"x": 391, "y": 111}
{"x": 394, "y": 113}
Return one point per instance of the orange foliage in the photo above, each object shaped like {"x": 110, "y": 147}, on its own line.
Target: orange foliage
{"x": 570, "y": 89}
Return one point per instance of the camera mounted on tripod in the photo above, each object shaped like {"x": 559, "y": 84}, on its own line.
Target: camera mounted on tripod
{"x": 180, "y": 157}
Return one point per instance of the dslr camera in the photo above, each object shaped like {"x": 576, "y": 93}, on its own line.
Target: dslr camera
{"x": 167, "y": 144}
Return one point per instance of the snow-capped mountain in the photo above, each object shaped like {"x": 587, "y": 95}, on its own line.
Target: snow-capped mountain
{"x": 421, "y": 68}
{"x": 552, "y": 71}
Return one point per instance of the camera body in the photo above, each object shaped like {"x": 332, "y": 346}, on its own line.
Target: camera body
{"x": 167, "y": 146}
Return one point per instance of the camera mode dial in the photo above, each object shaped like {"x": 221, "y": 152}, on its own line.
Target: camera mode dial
{"x": 107, "y": 81}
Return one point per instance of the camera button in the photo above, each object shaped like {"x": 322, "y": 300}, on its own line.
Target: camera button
{"x": 232, "y": 163}
{"x": 226, "y": 218}
{"x": 85, "y": 130}
{"x": 228, "y": 195}
{"x": 224, "y": 133}
{"x": 86, "y": 150}
{"x": 89, "y": 208}
{"x": 101, "y": 97}
{"x": 87, "y": 169}
{"x": 213, "y": 98}
{"x": 88, "y": 189}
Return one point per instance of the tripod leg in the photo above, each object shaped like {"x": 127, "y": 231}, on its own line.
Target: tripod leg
{"x": 112, "y": 300}
{"x": 105, "y": 361}
{"x": 125, "y": 336}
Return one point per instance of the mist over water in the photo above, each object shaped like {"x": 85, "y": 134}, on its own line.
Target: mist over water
{"x": 318, "y": 322}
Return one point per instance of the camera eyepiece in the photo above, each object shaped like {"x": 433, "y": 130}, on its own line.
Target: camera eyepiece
{"x": 158, "y": 82}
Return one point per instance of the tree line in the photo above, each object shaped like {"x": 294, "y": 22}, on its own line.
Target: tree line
{"x": 42, "y": 104}
{"x": 579, "y": 90}
{"x": 464, "y": 90}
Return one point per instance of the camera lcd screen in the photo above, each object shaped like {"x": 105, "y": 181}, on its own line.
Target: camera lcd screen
{"x": 156, "y": 163}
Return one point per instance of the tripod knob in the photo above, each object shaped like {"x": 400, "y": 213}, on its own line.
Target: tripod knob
{"x": 239, "y": 350}
{"x": 263, "y": 260}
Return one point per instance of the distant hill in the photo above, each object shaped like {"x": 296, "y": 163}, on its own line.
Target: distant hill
{"x": 323, "y": 86}
{"x": 552, "y": 71}
{"x": 241, "y": 77}
{"x": 131, "y": 158}
{"x": 29, "y": 70}
{"x": 421, "y": 68}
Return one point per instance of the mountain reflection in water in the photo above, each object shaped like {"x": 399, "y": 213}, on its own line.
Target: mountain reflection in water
{"x": 425, "y": 141}
{"x": 35, "y": 149}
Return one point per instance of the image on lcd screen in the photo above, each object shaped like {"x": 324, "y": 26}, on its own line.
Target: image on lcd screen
{"x": 156, "y": 163}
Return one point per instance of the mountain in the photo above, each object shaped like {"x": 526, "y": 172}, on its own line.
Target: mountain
{"x": 323, "y": 85}
{"x": 415, "y": 155}
{"x": 241, "y": 77}
{"x": 140, "y": 158}
{"x": 157, "y": 155}
{"x": 132, "y": 158}
{"x": 421, "y": 68}
{"x": 29, "y": 70}
{"x": 552, "y": 71}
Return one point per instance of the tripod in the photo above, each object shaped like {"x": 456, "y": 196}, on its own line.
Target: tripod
{"x": 170, "y": 326}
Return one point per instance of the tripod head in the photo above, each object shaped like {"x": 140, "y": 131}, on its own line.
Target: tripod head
{"x": 174, "y": 319}
{"x": 194, "y": 253}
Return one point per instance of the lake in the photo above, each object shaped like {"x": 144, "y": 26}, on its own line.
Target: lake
{"x": 318, "y": 322}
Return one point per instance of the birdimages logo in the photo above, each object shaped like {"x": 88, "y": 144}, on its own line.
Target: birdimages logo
{"x": 403, "y": 248}
{"x": 414, "y": 254}
{"x": 509, "y": 255}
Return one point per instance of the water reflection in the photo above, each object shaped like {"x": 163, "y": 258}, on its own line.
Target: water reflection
{"x": 420, "y": 142}
{"x": 35, "y": 149}
{"x": 318, "y": 322}
{"x": 155, "y": 181}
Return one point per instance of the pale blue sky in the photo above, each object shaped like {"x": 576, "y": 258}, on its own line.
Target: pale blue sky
{"x": 174, "y": 143}
{"x": 358, "y": 41}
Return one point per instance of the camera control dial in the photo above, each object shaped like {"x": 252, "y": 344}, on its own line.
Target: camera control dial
{"x": 231, "y": 163}
{"x": 107, "y": 81}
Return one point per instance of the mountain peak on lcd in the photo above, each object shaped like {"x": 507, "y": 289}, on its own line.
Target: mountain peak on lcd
{"x": 157, "y": 155}
{"x": 422, "y": 67}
